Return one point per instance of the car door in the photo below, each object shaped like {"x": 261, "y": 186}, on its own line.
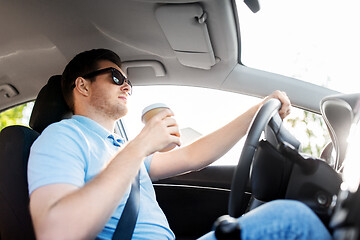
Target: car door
{"x": 193, "y": 201}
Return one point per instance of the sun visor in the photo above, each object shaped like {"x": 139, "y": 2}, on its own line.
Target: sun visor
{"x": 184, "y": 26}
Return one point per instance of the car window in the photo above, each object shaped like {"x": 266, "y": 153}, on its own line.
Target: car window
{"x": 314, "y": 41}
{"x": 200, "y": 111}
{"x": 19, "y": 115}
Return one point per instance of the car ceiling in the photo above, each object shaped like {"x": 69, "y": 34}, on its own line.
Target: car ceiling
{"x": 39, "y": 37}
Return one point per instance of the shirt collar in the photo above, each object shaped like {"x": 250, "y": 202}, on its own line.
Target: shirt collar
{"x": 100, "y": 130}
{"x": 92, "y": 125}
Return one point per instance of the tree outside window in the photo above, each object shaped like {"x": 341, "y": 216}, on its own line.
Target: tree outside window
{"x": 19, "y": 115}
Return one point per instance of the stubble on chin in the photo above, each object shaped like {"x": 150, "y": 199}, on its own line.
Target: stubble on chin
{"x": 110, "y": 110}
{"x": 122, "y": 112}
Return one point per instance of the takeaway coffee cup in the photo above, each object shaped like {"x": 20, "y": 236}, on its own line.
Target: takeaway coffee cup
{"x": 151, "y": 111}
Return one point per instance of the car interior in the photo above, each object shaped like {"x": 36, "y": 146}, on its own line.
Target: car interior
{"x": 193, "y": 43}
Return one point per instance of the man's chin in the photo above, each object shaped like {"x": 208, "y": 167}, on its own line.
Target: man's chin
{"x": 121, "y": 113}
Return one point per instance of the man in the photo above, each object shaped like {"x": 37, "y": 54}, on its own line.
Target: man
{"x": 80, "y": 172}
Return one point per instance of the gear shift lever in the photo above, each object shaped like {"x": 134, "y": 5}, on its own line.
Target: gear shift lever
{"x": 227, "y": 228}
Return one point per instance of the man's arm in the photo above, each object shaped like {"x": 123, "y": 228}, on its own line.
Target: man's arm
{"x": 68, "y": 212}
{"x": 211, "y": 147}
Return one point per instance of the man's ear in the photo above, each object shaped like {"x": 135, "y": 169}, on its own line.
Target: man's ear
{"x": 82, "y": 86}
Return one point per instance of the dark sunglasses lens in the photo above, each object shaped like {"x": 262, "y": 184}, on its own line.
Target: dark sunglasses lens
{"x": 118, "y": 77}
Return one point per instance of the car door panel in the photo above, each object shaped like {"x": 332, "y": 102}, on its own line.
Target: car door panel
{"x": 193, "y": 201}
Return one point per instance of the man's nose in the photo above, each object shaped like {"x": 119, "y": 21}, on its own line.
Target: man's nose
{"x": 125, "y": 87}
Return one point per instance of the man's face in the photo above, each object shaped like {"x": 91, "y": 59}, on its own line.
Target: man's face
{"x": 106, "y": 97}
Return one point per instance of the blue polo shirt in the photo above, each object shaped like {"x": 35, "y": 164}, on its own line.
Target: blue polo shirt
{"x": 73, "y": 151}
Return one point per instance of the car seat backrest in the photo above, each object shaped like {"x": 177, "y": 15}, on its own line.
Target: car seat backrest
{"x": 15, "y": 143}
{"x": 15, "y": 221}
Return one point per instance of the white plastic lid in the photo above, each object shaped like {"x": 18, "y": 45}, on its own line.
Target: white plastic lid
{"x": 152, "y": 106}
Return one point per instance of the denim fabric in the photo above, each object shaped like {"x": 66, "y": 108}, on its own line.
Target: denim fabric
{"x": 280, "y": 219}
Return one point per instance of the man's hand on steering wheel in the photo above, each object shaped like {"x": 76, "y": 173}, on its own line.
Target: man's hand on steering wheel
{"x": 285, "y": 102}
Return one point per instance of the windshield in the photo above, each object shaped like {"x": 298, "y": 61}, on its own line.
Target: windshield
{"x": 315, "y": 41}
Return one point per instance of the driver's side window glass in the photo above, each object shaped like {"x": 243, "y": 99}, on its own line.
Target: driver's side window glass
{"x": 200, "y": 111}
{"x": 19, "y": 115}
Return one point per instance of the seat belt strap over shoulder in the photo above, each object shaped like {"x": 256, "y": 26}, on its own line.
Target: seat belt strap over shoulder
{"x": 126, "y": 225}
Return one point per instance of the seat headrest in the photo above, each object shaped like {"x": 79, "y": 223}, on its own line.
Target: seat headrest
{"x": 50, "y": 105}
{"x": 338, "y": 112}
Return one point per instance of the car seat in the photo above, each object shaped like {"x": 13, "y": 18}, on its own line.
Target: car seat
{"x": 15, "y": 143}
{"x": 338, "y": 113}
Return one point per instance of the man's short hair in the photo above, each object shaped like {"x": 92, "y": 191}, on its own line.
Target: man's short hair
{"x": 82, "y": 64}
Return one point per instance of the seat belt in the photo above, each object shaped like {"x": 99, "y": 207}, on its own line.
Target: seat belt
{"x": 126, "y": 225}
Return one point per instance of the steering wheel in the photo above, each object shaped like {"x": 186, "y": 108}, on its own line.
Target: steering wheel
{"x": 241, "y": 174}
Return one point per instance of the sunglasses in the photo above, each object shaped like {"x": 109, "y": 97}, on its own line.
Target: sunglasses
{"x": 117, "y": 76}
